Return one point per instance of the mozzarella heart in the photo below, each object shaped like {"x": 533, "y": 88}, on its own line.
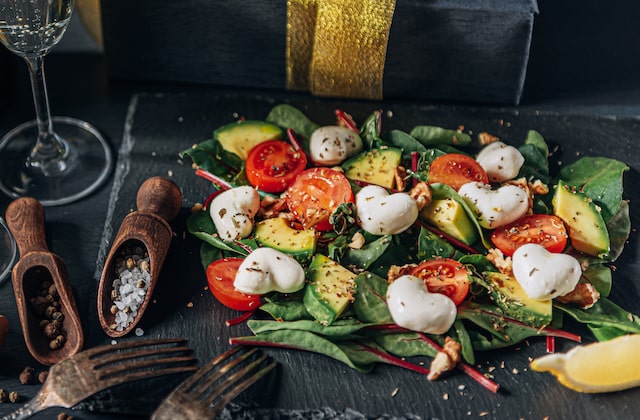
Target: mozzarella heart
{"x": 545, "y": 275}
{"x": 380, "y": 213}
{"x": 331, "y": 145}
{"x": 232, "y": 212}
{"x": 495, "y": 208}
{"x": 267, "y": 270}
{"x": 412, "y": 306}
{"x": 500, "y": 161}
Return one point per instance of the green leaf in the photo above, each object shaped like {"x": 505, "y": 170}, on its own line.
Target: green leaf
{"x": 600, "y": 277}
{"x": 363, "y": 257}
{"x": 403, "y": 141}
{"x": 369, "y": 303}
{"x": 342, "y": 329}
{"x": 430, "y": 135}
{"x": 370, "y": 130}
{"x": 287, "y": 116}
{"x": 285, "y": 307}
{"x": 200, "y": 225}
{"x": 619, "y": 228}
{"x": 303, "y": 340}
{"x": 605, "y": 317}
{"x": 598, "y": 178}
{"x": 405, "y": 345}
{"x": 212, "y": 157}
{"x": 462, "y": 336}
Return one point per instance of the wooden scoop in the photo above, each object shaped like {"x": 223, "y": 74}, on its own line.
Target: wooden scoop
{"x": 158, "y": 200}
{"x": 37, "y": 265}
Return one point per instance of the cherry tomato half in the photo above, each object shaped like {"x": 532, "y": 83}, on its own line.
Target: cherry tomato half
{"x": 446, "y": 276}
{"x": 315, "y": 194}
{"x": 220, "y": 276}
{"x": 272, "y": 165}
{"x": 455, "y": 170}
{"x": 542, "y": 229}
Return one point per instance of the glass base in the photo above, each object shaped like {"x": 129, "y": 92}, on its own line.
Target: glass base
{"x": 91, "y": 164}
{"x": 8, "y": 251}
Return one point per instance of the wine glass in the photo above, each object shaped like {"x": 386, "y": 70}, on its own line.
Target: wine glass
{"x": 56, "y": 160}
{"x": 8, "y": 251}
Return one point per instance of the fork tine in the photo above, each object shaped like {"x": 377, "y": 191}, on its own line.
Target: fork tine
{"x": 231, "y": 394}
{"x": 111, "y": 358}
{"x": 129, "y": 367}
{"x": 111, "y": 348}
{"x": 204, "y": 385}
{"x": 147, "y": 374}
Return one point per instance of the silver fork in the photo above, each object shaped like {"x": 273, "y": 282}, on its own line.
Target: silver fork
{"x": 205, "y": 393}
{"x": 78, "y": 377}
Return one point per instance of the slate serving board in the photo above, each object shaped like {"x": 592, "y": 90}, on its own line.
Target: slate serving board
{"x": 159, "y": 126}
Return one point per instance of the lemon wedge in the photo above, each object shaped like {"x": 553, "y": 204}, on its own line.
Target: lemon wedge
{"x": 605, "y": 366}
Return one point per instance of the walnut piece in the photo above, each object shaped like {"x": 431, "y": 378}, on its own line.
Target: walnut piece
{"x": 446, "y": 359}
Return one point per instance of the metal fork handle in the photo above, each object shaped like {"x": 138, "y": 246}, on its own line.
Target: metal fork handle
{"x": 29, "y": 409}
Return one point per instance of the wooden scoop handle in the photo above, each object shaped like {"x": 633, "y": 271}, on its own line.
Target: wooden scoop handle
{"x": 159, "y": 196}
{"x": 25, "y": 219}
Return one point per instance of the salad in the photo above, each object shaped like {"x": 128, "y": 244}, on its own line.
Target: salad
{"x": 371, "y": 246}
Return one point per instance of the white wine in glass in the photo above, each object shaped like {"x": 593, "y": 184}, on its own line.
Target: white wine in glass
{"x": 56, "y": 160}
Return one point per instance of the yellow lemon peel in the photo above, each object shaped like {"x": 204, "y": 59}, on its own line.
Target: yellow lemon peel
{"x": 605, "y": 366}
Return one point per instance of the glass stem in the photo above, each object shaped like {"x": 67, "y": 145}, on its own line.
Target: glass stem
{"x": 50, "y": 151}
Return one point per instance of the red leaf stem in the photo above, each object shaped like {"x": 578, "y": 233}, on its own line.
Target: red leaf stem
{"x": 220, "y": 183}
{"x": 551, "y": 344}
{"x": 210, "y": 198}
{"x": 240, "y": 319}
{"x": 469, "y": 370}
{"x": 395, "y": 361}
{"x": 291, "y": 135}
{"x": 414, "y": 165}
{"x": 347, "y": 120}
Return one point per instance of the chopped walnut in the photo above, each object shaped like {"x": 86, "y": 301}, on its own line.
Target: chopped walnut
{"x": 538, "y": 187}
{"x": 357, "y": 241}
{"x": 584, "y": 295}
{"x": 271, "y": 207}
{"x": 485, "y": 138}
{"x": 396, "y": 271}
{"x": 502, "y": 263}
{"x": 446, "y": 359}
{"x": 421, "y": 193}
{"x": 400, "y": 178}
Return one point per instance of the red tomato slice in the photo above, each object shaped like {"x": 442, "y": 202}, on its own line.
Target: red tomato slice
{"x": 446, "y": 276}
{"x": 220, "y": 276}
{"x": 455, "y": 170}
{"x": 272, "y": 165}
{"x": 543, "y": 229}
{"x": 315, "y": 194}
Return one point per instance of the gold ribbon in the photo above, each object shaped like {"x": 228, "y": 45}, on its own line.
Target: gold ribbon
{"x": 338, "y": 47}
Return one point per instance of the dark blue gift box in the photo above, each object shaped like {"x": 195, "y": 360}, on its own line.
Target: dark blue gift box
{"x": 439, "y": 50}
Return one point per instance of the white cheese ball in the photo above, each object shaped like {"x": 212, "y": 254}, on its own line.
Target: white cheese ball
{"x": 381, "y": 214}
{"x": 500, "y": 161}
{"x": 267, "y": 270}
{"x": 545, "y": 275}
{"x": 331, "y": 145}
{"x": 232, "y": 212}
{"x": 495, "y": 208}
{"x": 412, "y": 306}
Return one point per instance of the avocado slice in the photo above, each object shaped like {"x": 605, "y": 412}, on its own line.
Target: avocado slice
{"x": 330, "y": 290}
{"x": 240, "y": 137}
{"x": 512, "y": 299}
{"x": 376, "y": 166}
{"x": 449, "y": 216}
{"x": 586, "y": 227}
{"x": 276, "y": 233}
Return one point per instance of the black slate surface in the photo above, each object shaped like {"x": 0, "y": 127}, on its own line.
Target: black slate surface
{"x": 161, "y": 125}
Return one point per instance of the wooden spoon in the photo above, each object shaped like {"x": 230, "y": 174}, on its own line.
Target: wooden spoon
{"x": 158, "y": 200}
{"x": 37, "y": 265}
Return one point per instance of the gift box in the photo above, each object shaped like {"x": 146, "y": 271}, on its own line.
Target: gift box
{"x": 442, "y": 50}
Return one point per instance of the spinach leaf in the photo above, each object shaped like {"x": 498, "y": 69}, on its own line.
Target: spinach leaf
{"x": 303, "y": 340}
{"x": 431, "y": 245}
{"x": 287, "y": 116}
{"x": 370, "y": 130}
{"x": 370, "y": 303}
{"x": 619, "y": 228}
{"x": 536, "y": 158}
{"x": 598, "y": 178}
{"x": 403, "y": 141}
{"x": 600, "y": 277}
{"x": 405, "y": 345}
{"x": 430, "y": 135}
{"x": 200, "y": 225}
{"x": 285, "y": 308}
{"x": 363, "y": 257}
{"x": 342, "y": 329}
{"x": 212, "y": 157}
{"x": 461, "y": 335}
{"x": 604, "y": 319}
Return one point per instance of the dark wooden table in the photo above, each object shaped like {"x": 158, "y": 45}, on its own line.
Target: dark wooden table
{"x": 167, "y": 117}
